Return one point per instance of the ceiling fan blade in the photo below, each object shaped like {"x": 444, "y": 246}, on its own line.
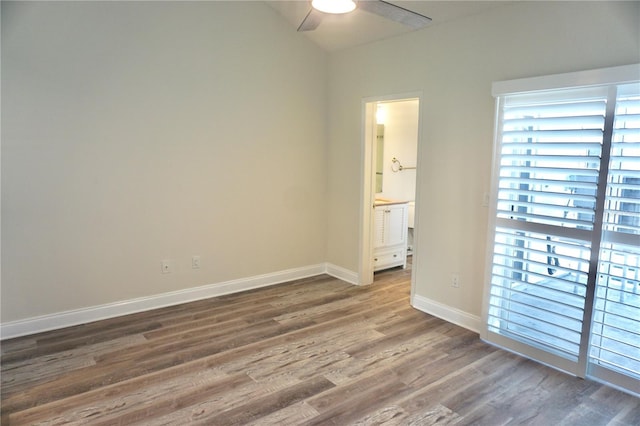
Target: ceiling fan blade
{"x": 311, "y": 21}
{"x": 395, "y": 13}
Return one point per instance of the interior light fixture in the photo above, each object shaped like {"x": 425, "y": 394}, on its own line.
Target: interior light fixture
{"x": 334, "y": 6}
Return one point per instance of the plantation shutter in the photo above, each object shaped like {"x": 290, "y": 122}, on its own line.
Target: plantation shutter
{"x": 548, "y": 173}
{"x": 615, "y": 341}
{"x": 564, "y": 265}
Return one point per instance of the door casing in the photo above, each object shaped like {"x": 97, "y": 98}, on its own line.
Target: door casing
{"x": 367, "y": 189}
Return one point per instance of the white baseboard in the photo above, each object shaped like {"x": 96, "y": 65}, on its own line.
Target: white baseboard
{"x": 342, "y": 274}
{"x": 110, "y": 310}
{"x": 447, "y": 313}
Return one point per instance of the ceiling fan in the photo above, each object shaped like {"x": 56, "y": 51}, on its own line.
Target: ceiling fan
{"x": 320, "y": 8}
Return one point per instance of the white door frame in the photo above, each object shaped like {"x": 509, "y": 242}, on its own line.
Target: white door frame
{"x": 367, "y": 189}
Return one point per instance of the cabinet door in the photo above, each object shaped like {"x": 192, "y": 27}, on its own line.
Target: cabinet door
{"x": 396, "y": 225}
{"x": 379, "y": 218}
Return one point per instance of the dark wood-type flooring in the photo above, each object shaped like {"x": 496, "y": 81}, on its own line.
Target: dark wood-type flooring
{"x": 315, "y": 351}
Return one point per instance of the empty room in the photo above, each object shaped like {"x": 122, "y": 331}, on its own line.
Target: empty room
{"x": 270, "y": 212}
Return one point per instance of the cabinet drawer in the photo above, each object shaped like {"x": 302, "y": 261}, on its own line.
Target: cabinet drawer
{"x": 389, "y": 258}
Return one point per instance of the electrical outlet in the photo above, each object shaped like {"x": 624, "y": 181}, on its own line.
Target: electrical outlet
{"x": 195, "y": 262}
{"x": 166, "y": 266}
{"x": 455, "y": 280}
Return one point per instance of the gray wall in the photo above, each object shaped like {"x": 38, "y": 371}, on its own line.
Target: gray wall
{"x": 453, "y": 65}
{"x": 139, "y": 131}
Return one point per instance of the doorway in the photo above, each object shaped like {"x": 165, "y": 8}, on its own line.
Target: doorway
{"x": 391, "y": 129}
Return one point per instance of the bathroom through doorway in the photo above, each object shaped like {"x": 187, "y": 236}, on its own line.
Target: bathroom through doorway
{"x": 391, "y": 133}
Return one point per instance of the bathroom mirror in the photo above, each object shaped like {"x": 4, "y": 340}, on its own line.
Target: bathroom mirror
{"x": 379, "y": 156}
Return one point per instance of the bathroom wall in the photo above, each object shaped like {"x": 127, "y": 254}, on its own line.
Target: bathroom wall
{"x": 401, "y": 142}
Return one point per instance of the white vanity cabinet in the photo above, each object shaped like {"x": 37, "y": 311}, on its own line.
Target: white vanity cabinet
{"x": 390, "y": 236}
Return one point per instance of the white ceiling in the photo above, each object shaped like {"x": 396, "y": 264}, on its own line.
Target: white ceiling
{"x": 359, "y": 27}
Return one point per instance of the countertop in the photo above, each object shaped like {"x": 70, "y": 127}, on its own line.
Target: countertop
{"x": 387, "y": 202}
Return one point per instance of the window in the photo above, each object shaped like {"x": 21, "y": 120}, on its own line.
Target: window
{"x": 564, "y": 269}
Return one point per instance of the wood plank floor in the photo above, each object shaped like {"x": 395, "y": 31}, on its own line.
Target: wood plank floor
{"x": 315, "y": 352}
